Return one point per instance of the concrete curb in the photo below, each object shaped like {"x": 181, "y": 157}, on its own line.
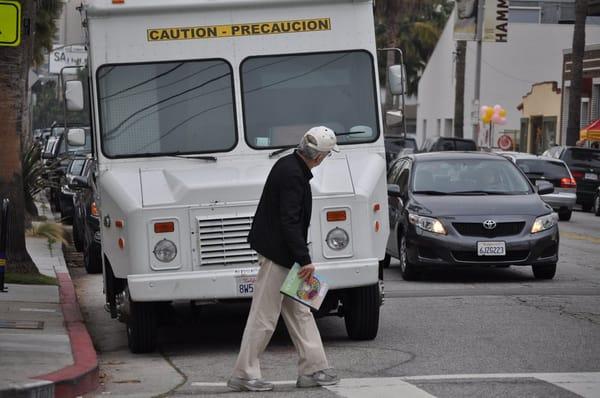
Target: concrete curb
{"x": 83, "y": 376}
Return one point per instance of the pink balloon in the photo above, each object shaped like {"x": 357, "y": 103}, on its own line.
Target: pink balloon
{"x": 497, "y": 108}
{"x": 496, "y": 118}
{"x": 502, "y": 120}
{"x": 483, "y": 110}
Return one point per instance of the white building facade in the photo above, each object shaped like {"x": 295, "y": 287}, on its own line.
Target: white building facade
{"x": 533, "y": 53}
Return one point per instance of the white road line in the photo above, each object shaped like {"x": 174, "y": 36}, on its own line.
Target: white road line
{"x": 387, "y": 387}
{"x": 585, "y": 384}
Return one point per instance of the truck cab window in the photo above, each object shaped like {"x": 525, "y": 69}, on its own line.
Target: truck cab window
{"x": 155, "y": 109}
{"x": 283, "y": 96}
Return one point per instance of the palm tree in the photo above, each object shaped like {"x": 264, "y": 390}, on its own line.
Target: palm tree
{"x": 14, "y": 72}
{"x": 573, "y": 126}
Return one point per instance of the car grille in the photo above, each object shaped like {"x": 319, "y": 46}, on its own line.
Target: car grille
{"x": 477, "y": 229}
{"x": 223, "y": 241}
{"x": 471, "y": 256}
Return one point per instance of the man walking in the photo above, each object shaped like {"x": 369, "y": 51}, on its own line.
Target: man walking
{"x": 279, "y": 234}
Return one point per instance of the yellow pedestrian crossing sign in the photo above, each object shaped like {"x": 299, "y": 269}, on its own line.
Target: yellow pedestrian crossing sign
{"x": 10, "y": 23}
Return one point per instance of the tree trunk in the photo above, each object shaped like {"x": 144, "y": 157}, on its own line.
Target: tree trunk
{"x": 15, "y": 63}
{"x": 459, "y": 92}
{"x": 573, "y": 127}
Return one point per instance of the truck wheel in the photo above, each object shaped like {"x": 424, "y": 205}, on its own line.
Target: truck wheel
{"x": 407, "y": 270}
{"x": 597, "y": 205}
{"x": 77, "y": 238}
{"x": 564, "y": 215}
{"x": 92, "y": 261}
{"x": 544, "y": 271}
{"x": 361, "y": 312}
{"x": 141, "y": 327}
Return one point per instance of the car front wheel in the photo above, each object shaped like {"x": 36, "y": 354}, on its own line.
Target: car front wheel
{"x": 546, "y": 271}
{"x": 597, "y": 205}
{"x": 407, "y": 270}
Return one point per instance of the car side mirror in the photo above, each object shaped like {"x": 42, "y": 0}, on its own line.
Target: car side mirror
{"x": 394, "y": 190}
{"x": 544, "y": 187}
{"x": 76, "y": 137}
{"x": 78, "y": 182}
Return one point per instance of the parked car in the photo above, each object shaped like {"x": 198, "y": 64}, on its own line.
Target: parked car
{"x": 448, "y": 144}
{"x": 86, "y": 221}
{"x": 397, "y": 145}
{"x": 468, "y": 209}
{"x": 584, "y": 164}
{"x": 543, "y": 168}
{"x": 65, "y": 196}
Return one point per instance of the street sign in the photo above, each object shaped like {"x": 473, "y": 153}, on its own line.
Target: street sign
{"x": 10, "y": 23}
{"x": 60, "y": 57}
{"x": 505, "y": 142}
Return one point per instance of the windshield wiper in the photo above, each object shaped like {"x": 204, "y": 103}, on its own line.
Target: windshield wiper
{"x": 350, "y": 133}
{"x": 281, "y": 150}
{"x": 479, "y": 193}
{"x": 201, "y": 157}
{"x": 430, "y": 193}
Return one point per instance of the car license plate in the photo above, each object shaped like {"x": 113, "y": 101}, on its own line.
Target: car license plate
{"x": 245, "y": 285}
{"x": 591, "y": 176}
{"x": 491, "y": 248}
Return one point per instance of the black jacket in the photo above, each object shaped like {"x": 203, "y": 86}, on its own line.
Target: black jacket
{"x": 280, "y": 227}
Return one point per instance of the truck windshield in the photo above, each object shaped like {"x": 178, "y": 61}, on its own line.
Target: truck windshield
{"x": 284, "y": 96}
{"x": 156, "y": 109}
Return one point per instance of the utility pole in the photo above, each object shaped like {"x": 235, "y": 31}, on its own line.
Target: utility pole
{"x": 459, "y": 89}
{"x": 477, "y": 96}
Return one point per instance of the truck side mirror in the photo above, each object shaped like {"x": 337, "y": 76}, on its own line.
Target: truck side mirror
{"x": 76, "y": 137}
{"x": 74, "y": 95}
{"x": 394, "y": 190}
{"x": 396, "y": 79}
{"x": 78, "y": 182}
{"x": 393, "y": 118}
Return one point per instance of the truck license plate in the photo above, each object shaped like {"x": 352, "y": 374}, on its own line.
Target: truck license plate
{"x": 491, "y": 248}
{"x": 245, "y": 285}
{"x": 591, "y": 176}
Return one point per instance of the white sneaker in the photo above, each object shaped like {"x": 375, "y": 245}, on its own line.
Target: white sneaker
{"x": 325, "y": 377}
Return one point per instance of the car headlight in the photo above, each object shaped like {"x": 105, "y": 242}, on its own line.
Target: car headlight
{"x": 165, "y": 251}
{"x": 428, "y": 224}
{"x": 337, "y": 239}
{"x": 543, "y": 223}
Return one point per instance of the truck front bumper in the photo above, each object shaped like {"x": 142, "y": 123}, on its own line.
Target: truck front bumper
{"x": 223, "y": 283}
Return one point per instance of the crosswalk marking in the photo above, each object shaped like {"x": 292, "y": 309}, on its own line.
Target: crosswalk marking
{"x": 389, "y": 387}
{"x": 584, "y": 384}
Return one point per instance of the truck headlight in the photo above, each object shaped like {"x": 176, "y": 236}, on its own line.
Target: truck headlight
{"x": 165, "y": 251}
{"x": 543, "y": 223}
{"x": 428, "y": 224}
{"x": 337, "y": 239}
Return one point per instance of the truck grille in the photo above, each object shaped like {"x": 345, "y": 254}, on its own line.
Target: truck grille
{"x": 223, "y": 241}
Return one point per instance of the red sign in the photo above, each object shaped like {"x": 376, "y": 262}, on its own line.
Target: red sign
{"x": 505, "y": 142}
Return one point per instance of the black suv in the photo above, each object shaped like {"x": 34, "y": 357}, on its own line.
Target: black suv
{"x": 448, "y": 144}
{"x": 396, "y": 145}
{"x": 584, "y": 164}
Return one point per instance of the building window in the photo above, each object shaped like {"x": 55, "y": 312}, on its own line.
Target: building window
{"x": 585, "y": 112}
{"x": 424, "y": 129}
{"x": 524, "y": 14}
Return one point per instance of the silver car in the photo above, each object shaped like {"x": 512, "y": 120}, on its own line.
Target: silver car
{"x": 544, "y": 168}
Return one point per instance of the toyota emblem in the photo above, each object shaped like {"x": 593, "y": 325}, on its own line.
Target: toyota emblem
{"x": 489, "y": 224}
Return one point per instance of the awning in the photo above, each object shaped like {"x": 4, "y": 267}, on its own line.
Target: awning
{"x": 591, "y": 132}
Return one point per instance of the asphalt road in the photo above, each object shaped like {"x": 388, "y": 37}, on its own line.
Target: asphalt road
{"x": 455, "y": 333}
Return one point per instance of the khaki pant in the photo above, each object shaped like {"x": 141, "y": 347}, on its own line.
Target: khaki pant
{"x": 267, "y": 304}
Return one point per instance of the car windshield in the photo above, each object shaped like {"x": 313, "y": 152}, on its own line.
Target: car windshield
{"x": 284, "y": 96}
{"x": 468, "y": 176}
{"x": 156, "y": 109}
{"x": 548, "y": 169}
{"x": 581, "y": 157}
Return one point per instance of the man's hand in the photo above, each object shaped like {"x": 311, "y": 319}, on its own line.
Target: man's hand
{"x": 306, "y": 272}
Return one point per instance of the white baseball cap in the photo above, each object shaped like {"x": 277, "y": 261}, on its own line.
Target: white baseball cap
{"x": 321, "y": 139}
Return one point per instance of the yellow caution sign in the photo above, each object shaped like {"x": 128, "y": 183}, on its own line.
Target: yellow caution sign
{"x": 10, "y": 23}
{"x": 247, "y": 29}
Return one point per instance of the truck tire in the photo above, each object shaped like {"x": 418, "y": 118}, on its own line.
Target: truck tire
{"x": 92, "y": 261}
{"x": 142, "y": 327}
{"x": 544, "y": 271}
{"x": 564, "y": 215}
{"x": 361, "y": 312}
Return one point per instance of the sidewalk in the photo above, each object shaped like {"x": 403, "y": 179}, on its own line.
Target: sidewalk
{"x": 45, "y": 349}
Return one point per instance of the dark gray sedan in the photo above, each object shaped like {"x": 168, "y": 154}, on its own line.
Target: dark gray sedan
{"x": 468, "y": 209}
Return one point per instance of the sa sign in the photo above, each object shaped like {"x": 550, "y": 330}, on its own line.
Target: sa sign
{"x": 505, "y": 142}
{"x": 60, "y": 57}
{"x": 10, "y": 23}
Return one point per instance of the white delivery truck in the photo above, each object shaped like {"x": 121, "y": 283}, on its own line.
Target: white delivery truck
{"x": 193, "y": 102}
